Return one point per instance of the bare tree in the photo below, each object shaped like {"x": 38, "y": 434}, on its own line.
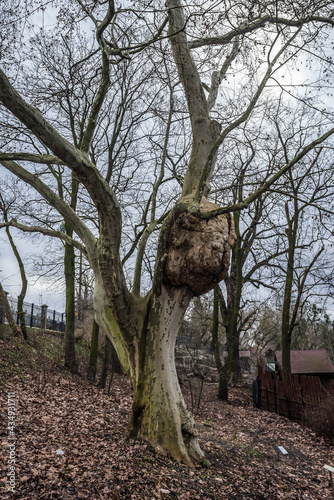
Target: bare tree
{"x": 5, "y": 208}
{"x": 195, "y": 235}
{"x": 221, "y": 367}
{"x": 9, "y": 315}
{"x": 305, "y": 233}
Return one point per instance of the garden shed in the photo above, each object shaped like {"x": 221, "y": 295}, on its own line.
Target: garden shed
{"x": 316, "y": 363}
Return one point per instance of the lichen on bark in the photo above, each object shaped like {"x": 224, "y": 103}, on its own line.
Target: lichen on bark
{"x": 159, "y": 412}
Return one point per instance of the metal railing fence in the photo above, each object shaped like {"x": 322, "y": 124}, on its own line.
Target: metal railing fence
{"x": 34, "y": 315}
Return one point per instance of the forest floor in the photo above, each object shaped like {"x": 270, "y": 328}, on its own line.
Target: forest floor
{"x": 71, "y": 442}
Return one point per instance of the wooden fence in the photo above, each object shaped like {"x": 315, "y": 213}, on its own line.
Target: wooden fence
{"x": 302, "y": 398}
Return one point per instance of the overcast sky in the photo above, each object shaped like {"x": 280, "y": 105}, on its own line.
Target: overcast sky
{"x": 40, "y": 291}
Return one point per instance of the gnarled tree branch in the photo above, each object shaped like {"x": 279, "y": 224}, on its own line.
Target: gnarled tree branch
{"x": 47, "y": 232}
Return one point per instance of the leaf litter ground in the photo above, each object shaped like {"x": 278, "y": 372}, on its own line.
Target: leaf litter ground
{"x": 57, "y": 412}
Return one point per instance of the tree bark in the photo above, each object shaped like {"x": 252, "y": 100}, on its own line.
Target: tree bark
{"x": 21, "y": 315}
{"x": 287, "y": 327}
{"x": 222, "y": 369}
{"x": 115, "y": 362}
{"x": 234, "y": 285}
{"x": 91, "y": 374}
{"x": 205, "y": 131}
{"x": 105, "y": 362}
{"x": 23, "y": 291}
{"x": 11, "y": 321}
{"x": 69, "y": 349}
{"x": 159, "y": 411}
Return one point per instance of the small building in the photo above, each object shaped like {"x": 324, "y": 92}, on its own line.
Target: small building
{"x": 316, "y": 363}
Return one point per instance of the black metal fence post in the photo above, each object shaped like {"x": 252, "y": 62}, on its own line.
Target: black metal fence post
{"x": 39, "y": 317}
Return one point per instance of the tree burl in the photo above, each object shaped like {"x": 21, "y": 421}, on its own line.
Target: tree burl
{"x": 198, "y": 251}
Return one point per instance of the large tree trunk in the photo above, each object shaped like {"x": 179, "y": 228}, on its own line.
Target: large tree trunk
{"x": 159, "y": 411}
{"x": 233, "y": 288}
{"x": 69, "y": 263}
{"x": 233, "y": 355}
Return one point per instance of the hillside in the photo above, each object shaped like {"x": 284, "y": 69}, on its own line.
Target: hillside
{"x": 71, "y": 441}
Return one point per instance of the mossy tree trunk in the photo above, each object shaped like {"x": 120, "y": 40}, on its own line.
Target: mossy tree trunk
{"x": 144, "y": 330}
{"x": 221, "y": 367}
{"x": 159, "y": 411}
{"x": 94, "y": 351}
{"x": 24, "y": 282}
{"x": 69, "y": 348}
{"x": 105, "y": 362}
{"x": 10, "y": 318}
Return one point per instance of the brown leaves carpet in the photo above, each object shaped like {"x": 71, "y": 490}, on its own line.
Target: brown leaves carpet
{"x": 56, "y": 411}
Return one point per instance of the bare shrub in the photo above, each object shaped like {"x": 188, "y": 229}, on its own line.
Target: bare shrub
{"x": 321, "y": 418}
{"x": 192, "y": 374}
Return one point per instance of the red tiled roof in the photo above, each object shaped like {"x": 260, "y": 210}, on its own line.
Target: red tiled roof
{"x": 308, "y": 361}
